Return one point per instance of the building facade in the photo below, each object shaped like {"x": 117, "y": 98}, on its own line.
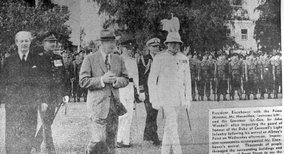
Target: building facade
{"x": 242, "y": 25}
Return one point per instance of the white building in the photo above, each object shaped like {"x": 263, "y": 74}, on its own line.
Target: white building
{"x": 242, "y": 27}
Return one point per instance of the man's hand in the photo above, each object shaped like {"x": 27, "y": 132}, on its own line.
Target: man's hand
{"x": 109, "y": 77}
{"x": 66, "y": 99}
{"x": 142, "y": 97}
{"x": 44, "y": 107}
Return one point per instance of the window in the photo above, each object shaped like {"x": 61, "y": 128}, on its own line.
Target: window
{"x": 237, "y": 2}
{"x": 244, "y": 34}
{"x": 228, "y": 32}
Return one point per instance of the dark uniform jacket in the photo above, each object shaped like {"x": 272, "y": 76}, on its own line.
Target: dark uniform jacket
{"x": 56, "y": 81}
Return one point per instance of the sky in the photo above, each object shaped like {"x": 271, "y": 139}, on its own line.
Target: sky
{"x": 84, "y": 15}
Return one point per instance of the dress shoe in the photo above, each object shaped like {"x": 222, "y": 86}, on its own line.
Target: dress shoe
{"x": 157, "y": 142}
{"x": 121, "y": 145}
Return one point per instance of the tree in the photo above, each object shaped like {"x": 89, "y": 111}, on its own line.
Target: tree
{"x": 268, "y": 29}
{"x": 17, "y": 16}
{"x": 202, "y": 22}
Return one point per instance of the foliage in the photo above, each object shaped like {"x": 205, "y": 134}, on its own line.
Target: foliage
{"x": 268, "y": 29}
{"x": 17, "y": 16}
{"x": 202, "y": 21}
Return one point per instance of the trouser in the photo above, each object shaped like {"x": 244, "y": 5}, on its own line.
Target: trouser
{"x": 47, "y": 120}
{"x": 266, "y": 84}
{"x": 222, "y": 86}
{"x": 104, "y": 132}
{"x": 236, "y": 85}
{"x": 21, "y": 123}
{"x": 171, "y": 137}
{"x": 204, "y": 84}
{"x": 251, "y": 87}
{"x": 193, "y": 92}
{"x": 78, "y": 92}
{"x": 277, "y": 84}
{"x": 44, "y": 135}
{"x": 124, "y": 123}
{"x": 150, "y": 131}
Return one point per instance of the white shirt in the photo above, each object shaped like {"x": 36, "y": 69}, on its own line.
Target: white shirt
{"x": 21, "y": 55}
{"x": 132, "y": 69}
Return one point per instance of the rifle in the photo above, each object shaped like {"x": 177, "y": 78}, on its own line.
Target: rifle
{"x": 215, "y": 81}
{"x": 274, "y": 78}
{"x": 198, "y": 80}
{"x": 229, "y": 82}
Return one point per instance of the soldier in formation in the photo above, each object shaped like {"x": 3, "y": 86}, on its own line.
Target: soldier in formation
{"x": 222, "y": 77}
{"x": 238, "y": 75}
{"x": 235, "y": 67}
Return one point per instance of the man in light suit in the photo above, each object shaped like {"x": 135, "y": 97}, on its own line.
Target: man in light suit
{"x": 170, "y": 88}
{"x": 103, "y": 73}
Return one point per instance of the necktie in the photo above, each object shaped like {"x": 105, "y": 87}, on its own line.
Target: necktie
{"x": 107, "y": 62}
{"x": 23, "y": 58}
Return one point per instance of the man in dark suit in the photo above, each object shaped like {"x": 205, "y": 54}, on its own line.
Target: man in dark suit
{"x": 103, "y": 73}
{"x": 56, "y": 89}
{"x": 19, "y": 84}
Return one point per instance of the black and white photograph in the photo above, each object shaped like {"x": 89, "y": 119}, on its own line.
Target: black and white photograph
{"x": 141, "y": 77}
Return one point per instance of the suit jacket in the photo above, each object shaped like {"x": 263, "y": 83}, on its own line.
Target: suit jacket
{"x": 98, "y": 98}
{"x": 170, "y": 80}
{"x": 19, "y": 81}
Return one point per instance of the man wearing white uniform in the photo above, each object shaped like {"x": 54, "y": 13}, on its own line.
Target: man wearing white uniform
{"x": 127, "y": 98}
{"x": 170, "y": 88}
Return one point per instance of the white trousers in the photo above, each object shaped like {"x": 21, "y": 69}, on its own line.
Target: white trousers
{"x": 124, "y": 123}
{"x": 171, "y": 137}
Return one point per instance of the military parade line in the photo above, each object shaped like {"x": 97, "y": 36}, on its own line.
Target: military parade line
{"x": 249, "y": 75}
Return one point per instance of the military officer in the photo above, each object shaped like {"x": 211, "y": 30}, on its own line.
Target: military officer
{"x": 150, "y": 131}
{"x": 170, "y": 88}
{"x": 212, "y": 64}
{"x": 222, "y": 76}
{"x": 252, "y": 76}
{"x": 204, "y": 82}
{"x": 193, "y": 63}
{"x": 266, "y": 83}
{"x": 277, "y": 73}
{"x": 58, "y": 89}
{"x": 235, "y": 66}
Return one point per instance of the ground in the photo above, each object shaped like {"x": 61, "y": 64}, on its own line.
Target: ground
{"x": 71, "y": 133}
